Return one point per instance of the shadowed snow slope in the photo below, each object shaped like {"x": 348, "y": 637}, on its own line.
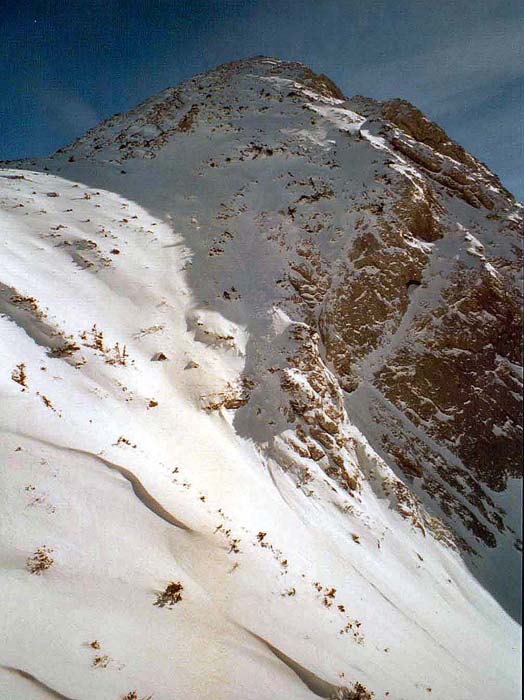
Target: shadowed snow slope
{"x": 259, "y": 392}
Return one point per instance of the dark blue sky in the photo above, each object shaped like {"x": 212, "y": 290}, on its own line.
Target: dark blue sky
{"x": 65, "y": 64}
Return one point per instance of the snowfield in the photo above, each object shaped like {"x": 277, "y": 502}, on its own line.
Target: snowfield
{"x": 164, "y": 533}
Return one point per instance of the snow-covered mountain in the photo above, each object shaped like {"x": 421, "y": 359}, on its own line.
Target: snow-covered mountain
{"x": 261, "y": 386}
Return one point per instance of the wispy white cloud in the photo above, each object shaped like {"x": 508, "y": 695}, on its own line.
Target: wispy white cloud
{"x": 68, "y": 113}
{"x": 453, "y": 70}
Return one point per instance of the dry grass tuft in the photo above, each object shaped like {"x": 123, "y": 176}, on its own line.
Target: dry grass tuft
{"x": 170, "y": 596}
{"x": 19, "y": 375}
{"x": 40, "y": 561}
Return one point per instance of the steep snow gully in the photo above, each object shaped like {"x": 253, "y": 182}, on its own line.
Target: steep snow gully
{"x": 261, "y": 404}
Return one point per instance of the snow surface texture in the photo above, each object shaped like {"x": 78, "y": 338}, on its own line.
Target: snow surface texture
{"x": 196, "y": 500}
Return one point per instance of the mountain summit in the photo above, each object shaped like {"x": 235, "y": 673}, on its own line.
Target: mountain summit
{"x": 262, "y": 403}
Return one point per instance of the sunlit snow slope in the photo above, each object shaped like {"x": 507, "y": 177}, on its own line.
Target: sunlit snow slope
{"x": 224, "y": 465}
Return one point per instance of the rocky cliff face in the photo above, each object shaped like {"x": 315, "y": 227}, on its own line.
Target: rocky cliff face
{"x": 353, "y": 316}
